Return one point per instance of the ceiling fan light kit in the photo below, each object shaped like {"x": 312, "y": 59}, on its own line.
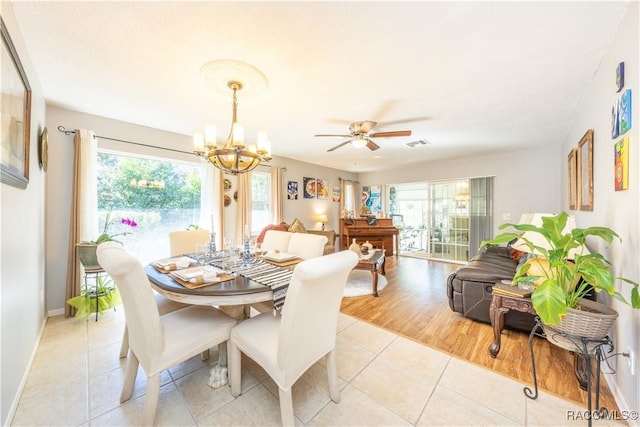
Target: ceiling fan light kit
{"x": 360, "y": 137}
{"x": 233, "y": 157}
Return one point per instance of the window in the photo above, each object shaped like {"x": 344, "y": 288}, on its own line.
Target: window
{"x": 349, "y": 202}
{"x": 261, "y": 201}
{"x": 158, "y": 194}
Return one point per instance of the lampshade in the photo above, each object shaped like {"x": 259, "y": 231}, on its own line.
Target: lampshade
{"x": 537, "y": 239}
{"x": 320, "y": 218}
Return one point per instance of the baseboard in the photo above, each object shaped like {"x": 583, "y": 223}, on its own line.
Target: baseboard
{"x": 623, "y": 406}
{"x": 56, "y": 312}
{"x": 25, "y": 376}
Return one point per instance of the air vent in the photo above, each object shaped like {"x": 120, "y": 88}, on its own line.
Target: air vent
{"x": 420, "y": 142}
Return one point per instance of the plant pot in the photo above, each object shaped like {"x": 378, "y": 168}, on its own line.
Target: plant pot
{"x": 88, "y": 256}
{"x": 592, "y": 321}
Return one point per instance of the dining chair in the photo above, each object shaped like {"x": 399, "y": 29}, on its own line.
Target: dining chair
{"x": 157, "y": 342}
{"x": 187, "y": 241}
{"x": 286, "y": 346}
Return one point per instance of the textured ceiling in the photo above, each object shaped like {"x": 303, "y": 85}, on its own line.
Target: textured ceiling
{"x": 469, "y": 77}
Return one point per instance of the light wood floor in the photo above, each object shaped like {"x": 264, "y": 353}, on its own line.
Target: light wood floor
{"x": 414, "y": 304}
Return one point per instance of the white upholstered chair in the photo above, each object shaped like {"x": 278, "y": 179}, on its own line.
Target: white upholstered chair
{"x": 181, "y": 242}
{"x": 287, "y": 345}
{"x": 187, "y": 241}
{"x": 276, "y": 240}
{"x": 157, "y": 342}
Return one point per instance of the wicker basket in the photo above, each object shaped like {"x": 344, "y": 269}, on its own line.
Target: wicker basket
{"x": 592, "y": 321}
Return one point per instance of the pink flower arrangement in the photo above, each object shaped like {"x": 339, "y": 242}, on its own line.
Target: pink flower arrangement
{"x": 106, "y": 237}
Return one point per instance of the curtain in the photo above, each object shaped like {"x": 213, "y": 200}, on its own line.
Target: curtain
{"x": 277, "y": 195}
{"x": 211, "y": 202}
{"x": 480, "y": 212}
{"x": 83, "y": 224}
{"x": 348, "y": 197}
{"x": 244, "y": 207}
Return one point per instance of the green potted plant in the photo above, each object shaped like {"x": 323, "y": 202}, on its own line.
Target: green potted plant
{"x": 563, "y": 272}
{"x": 102, "y": 295}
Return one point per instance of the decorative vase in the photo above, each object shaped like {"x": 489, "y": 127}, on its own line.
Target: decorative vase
{"x": 355, "y": 247}
{"x": 367, "y": 245}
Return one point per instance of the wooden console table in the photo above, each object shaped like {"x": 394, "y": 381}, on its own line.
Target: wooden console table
{"x": 382, "y": 234}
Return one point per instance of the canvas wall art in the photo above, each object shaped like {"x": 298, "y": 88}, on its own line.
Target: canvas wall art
{"x": 292, "y": 190}
{"x": 621, "y": 164}
{"x": 309, "y": 188}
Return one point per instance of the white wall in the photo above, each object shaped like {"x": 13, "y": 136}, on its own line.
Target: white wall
{"x": 22, "y": 231}
{"x": 618, "y": 210}
{"x": 525, "y": 181}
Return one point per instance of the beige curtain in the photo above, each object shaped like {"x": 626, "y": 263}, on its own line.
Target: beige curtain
{"x": 244, "y": 207}
{"x": 83, "y": 224}
{"x": 211, "y": 202}
{"x": 277, "y": 195}
{"x": 349, "y": 200}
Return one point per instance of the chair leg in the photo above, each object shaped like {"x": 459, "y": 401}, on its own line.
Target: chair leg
{"x": 286, "y": 407}
{"x": 234, "y": 367}
{"x": 129, "y": 378}
{"x": 124, "y": 347}
{"x": 332, "y": 372}
{"x": 151, "y": 400}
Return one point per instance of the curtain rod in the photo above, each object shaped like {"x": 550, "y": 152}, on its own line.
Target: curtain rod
{"x": 352, "y": 180}
{"x": 69, "y": 132}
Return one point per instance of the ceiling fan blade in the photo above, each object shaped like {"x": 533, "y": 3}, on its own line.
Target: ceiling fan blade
{"x": 339, "y": 145}
{"x": 402, "y": 121}
{"x": 372, "y": 145}
{"x": 341, "y": 136}
{"x": 391, "y": 134}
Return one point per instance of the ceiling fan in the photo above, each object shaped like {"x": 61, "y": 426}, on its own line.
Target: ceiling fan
{"x": 359, "y": 135}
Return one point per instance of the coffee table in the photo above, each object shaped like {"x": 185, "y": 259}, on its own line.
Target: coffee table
{"x": 374, "y": 264}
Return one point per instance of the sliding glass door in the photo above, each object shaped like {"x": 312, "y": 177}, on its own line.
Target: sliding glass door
{"x": 444, "y": 220}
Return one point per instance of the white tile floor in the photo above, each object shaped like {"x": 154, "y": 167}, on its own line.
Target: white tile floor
{"x": 386, "y": 380}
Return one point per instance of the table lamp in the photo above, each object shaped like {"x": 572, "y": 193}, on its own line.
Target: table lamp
{"x": 322, "y": 218}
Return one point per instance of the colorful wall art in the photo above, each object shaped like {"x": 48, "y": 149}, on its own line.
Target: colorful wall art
{"x": 292, "y": 190}
{"x": 621, "y": 164}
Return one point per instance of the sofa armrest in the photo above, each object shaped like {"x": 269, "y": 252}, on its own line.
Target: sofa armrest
{"x": 330, "y": 246}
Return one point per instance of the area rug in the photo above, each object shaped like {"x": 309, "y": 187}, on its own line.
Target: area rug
{"x": 360, "y": 282}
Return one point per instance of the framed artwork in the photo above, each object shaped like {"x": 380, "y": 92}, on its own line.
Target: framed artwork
{"x": 572, "y": 178}
{"x": 621, "y": 164}
{"x": 292, "y": 190}
{"x": 585, "y": 172}
{"x": 322, "y": 189}
{"x": 309, "y": 188}
{"x": 16, "y": 116}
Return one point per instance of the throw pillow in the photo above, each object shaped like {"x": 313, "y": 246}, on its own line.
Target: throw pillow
{"x": 516, "y": 254}
{"x": 279, "y": 227}
{"x": 297, "y": 227}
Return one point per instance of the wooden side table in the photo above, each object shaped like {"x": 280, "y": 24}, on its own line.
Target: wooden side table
{"x": 373, "y": 264}
{"x": 500, "y": 305}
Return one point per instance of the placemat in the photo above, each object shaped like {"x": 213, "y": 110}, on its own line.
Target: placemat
{"x": 190, "y": 285}
{"x": 284, "y": 263}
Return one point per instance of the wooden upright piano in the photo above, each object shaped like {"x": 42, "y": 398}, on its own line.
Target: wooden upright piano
{"x": 380, "y": 232}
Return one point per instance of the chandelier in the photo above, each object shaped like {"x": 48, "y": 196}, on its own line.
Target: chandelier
{"x": 233, "y": 157}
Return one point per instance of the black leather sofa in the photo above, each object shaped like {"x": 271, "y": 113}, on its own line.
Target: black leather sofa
{"x": 469, "y": 288}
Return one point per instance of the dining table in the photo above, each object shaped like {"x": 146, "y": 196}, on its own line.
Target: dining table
{"x": 232, "y": 296}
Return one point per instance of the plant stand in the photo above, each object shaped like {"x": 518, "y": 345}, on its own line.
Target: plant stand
{"x": 586, "y": 347}
{"x": 95, "y": 273}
